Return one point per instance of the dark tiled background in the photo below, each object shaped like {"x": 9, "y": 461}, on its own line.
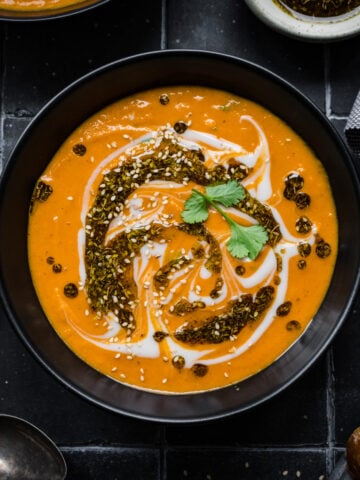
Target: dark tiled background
{"x": 299, "y": 433}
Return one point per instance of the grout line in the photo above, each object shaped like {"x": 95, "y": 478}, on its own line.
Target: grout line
{"x": 163, "y": 39}
{"x": 327, "y": 82}
{"x": 330, "y": 411}
{"x": 16, "y": 116}
{"x": 2, "y": 97}
{"x": 163, "y": 453}
{"x": 185, "y": 448}
{"x": 337, "y": 117}
{"x": 101, "y": 449}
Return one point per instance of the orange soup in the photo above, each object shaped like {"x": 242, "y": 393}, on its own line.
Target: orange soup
{"x": 36, "y": 5}
{"x": 182, "y": 239}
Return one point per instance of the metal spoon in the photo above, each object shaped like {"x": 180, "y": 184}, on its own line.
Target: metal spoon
{"x": 340, "y": 471}
{"x": 26, "y": 453}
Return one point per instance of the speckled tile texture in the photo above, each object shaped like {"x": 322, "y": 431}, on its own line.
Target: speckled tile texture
{"x": 297, "y": 434}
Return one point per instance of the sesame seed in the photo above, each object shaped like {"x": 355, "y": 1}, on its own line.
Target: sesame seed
{"x": 164, "y": 380}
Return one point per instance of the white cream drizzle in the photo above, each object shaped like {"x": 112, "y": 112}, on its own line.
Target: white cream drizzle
{"x": 216, "y": 150}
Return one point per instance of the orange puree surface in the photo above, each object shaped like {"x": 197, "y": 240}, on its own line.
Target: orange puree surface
{"x": 113, "y": 224}
{"x": 36, "y": 5}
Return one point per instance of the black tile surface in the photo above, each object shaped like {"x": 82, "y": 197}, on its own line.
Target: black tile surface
{"x": 297, "y": 434}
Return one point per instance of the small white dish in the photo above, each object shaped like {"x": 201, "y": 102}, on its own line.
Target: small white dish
{"x": 307, "y": 28}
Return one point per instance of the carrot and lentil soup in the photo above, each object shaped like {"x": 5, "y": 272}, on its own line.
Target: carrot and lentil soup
{"x": 36, "y": 5}
{"x": 182, "y": 239}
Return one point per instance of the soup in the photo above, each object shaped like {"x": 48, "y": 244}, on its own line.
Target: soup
{"x": 182, "y": 239}
{"x": 36, "y": 5}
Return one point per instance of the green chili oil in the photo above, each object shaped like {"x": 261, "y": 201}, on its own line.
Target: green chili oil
{"x": 109, "y": 280}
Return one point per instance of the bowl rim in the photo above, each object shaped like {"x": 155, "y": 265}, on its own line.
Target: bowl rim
{"x": 220, "y": 413}
{"x": 49, "y": 14}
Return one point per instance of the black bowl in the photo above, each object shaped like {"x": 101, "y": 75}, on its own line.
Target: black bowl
{"x": 49, "y": 14}
{"x": 85, "y": 97}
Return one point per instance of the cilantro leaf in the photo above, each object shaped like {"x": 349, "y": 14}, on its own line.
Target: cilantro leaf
{"x": 246, "y": 241}
{"x": 195, "y": 208}
{"x": 228, "y": 194}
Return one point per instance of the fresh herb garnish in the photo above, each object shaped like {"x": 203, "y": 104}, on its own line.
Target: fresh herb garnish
{"x": 244, "y": 241}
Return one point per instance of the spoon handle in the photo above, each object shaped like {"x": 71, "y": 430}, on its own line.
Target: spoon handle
{"x": 340, "y": 471}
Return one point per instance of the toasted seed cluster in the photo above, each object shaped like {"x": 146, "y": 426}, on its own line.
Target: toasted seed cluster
{"x": 303, "y": 225}
{"x": 219, "y": 328}
{"x": 304, "y": 249}
{"x": 293, "y": 184}
{"x": 79, "y": 149}
{"x": 284, "y": 309}
{"x": 322, "y": 249}
{"x": 71, "y": 290}
{"x": 41, "y": 193}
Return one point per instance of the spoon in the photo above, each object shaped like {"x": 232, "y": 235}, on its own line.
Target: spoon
{"x": 348, "y": 466}
{"x": 26, "y": 453}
